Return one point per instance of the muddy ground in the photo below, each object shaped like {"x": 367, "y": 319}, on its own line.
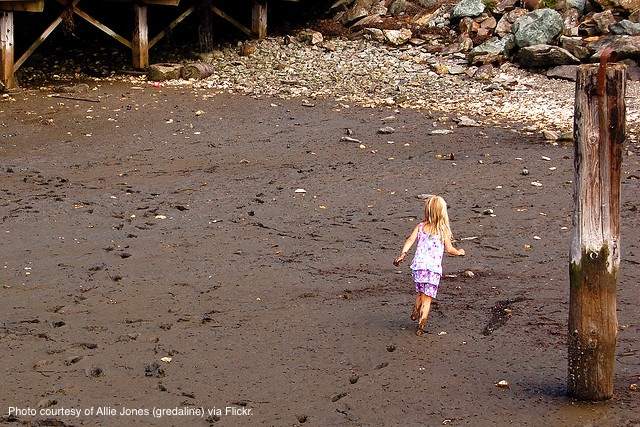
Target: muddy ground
{"x": 158, "y": 252}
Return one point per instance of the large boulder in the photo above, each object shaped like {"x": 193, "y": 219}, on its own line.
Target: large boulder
{"x": 544, "y": 56}
{"x": 537, "y": 27}
{"x": 505, "y": 24}
{"x": 626, "y": 47}
{"x": 466, "y": 8}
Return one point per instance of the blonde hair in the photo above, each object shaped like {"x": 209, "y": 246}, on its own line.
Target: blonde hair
{"x": 436, "y": 218}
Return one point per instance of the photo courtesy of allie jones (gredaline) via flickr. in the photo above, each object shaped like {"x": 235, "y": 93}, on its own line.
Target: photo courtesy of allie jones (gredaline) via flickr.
{"x": 108, "y": 411}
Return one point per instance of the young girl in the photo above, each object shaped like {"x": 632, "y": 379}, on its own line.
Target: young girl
{"x": 434, "y": 237}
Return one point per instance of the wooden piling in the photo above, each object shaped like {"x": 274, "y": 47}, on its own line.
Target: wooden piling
{"x": 259, "y": 18}
{"x": 140, "y": 41}
{"x": 7, "y": 50}
{"x": 599, "y": 132}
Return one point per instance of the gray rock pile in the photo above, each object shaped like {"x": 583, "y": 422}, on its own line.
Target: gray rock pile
{"x": 535, "y": 34}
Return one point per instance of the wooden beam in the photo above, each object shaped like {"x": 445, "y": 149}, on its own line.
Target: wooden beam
{"x": 22, "y": 6}
{"x": 96, "y": 23}
{"x": 41, "y": 39}
{"x": 7, "y": 47}
{"x": 171, "y": 26}
{"x": 259, "y": 18}
{"x": 232, "y": 21}
{"x": 140, "y": 42}
{"x": 150, "y": 2}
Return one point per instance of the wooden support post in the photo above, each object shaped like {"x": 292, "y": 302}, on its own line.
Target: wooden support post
{"x": 259, "y": 19}
{"x": 7, "y": 50}
{"x": 140, "y": 42}
{"x": 205, "y": 26}
{"x": 599, "y": 131}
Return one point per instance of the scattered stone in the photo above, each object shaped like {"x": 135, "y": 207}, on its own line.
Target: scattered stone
{"x": 465, "y": 121}
{"x": 398, "y": 37}
{"x": 72, "y": 360}
{"x": 94, "y": 372}
{"x": 387, "y": 130}
{"x": 467, "y": 8}
{"x": 47, "y": 403}
{"x": 154, "y": 370}
{"x": 311, "y": 37}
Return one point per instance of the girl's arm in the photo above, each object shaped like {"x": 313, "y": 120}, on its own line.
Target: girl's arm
{"x": 407, "y": 245}
{"x": 448, "y": 247}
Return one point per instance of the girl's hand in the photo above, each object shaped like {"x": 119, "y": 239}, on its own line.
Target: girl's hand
{"x": 398, "y": 260}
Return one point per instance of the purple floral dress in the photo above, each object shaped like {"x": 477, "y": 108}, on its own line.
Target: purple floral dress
{"x": 427, "y": 263}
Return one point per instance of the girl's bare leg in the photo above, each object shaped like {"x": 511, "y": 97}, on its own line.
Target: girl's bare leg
{"x": 425, "y": 306}
{"x": 415, "y": 314}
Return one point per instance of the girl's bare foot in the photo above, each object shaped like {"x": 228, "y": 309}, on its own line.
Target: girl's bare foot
{"x": 420, "y": 328}
{"x": 415, "y": 314}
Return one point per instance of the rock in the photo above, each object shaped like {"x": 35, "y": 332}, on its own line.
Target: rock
{"x": 505, "y": 6}
{"x": 603, "y": 20}
{"x": 494, "y": 46}
{"x": 467, "y": 8}
{"x": 625, "y": 27}
{"x": 465, "y": 121}
{"x": 627, "y": 47}
{"x": 441, "y": 68}
{"x": 374, "y": 34}
{"x": 620, "y": 5}
{"x": 468, "y": 25}
{"x": 505, "y": 24}
{"x": 310, "y": 37}
{"x": 537, "y": 27}
{"x": 533, "y": 4}
{"x": 484, "y": 72}
{"x": 633, "y": 70}
{"x": 564, "y": 72}
{"x": 363, "y": 8}
{"x": 544, "y": 56}
{"x": 400, "y": 7}
{"x": 163, "y": 72}
{"x": 635, "y": 16}
{"x": 571, "y": 22}
{"x": 580, "y": 5}
{"x": 398, "y": 37}
{"x": 575, "y": 45}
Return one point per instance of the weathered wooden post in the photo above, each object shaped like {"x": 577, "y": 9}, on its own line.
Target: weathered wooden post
{"x": 259, "y": 18}
{"x": 140, "y": 41}
{"x": 205, "y": 25}
{"x": 599, "y": 131}
{"x": 7, "y": 50}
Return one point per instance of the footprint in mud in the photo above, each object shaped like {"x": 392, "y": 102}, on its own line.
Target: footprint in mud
{"x": 500, "y": 314}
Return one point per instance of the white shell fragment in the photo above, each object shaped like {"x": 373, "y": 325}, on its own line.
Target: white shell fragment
{"x": 301, "y": 191}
